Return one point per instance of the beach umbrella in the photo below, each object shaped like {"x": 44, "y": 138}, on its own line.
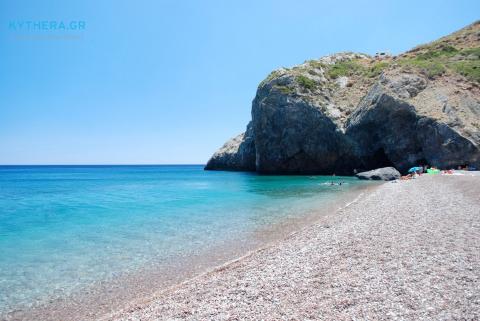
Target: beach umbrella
{"x": 414, "y": 169}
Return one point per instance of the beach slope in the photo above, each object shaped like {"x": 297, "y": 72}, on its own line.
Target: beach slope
{"x": 407, "y": 250}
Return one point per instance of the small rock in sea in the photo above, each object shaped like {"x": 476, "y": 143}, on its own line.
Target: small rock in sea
{"x": 380, "y": 174}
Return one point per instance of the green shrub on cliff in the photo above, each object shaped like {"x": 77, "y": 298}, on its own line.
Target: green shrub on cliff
{"x": 376, "y": 69}
{"x": 344, "y": 68}
{"x": 429, "y": 67}
{"x": 354, "y": 67}
{"x": 430, "y": 60}
{"x": 469, "y": 66}
{"x": 469, "y": 69}
{"x": 433, "y": 52}
{"x": 270, "y": 77}
{"x": 315, "y": 64}
{"x": 306, "y": 83}
{"x": 437, "y": 59}
{"x": 474, "y": 53}
{"x": 286, "y": 90}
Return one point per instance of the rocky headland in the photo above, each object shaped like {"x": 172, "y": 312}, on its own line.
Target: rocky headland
{"x": 351, "y": 111}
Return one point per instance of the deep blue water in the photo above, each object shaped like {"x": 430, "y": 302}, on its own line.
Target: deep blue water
{"x": 64, "y": 227}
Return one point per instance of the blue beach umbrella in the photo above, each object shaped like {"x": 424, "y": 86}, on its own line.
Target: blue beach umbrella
{"x": 414, "y": 169}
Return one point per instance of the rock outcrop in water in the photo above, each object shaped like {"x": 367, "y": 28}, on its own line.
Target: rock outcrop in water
{"x": 380, "y": 174}
{"x": 352, "y": 111}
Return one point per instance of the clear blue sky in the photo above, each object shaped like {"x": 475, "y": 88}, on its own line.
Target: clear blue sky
{"x": 170, "y": 81}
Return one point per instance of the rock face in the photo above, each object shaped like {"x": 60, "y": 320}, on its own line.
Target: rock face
{"x": 236, "y": 154}
{"x": 391, "y": 130}
{"x": 351, "y": 111}
{"x": 380, "y": 174}
{"x": 292, "y": 133}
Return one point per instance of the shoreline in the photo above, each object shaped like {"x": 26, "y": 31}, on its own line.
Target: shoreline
{"x": 407, "y": 250}
{"x": 107, "y": 296}
{"x": 133, "y": 305}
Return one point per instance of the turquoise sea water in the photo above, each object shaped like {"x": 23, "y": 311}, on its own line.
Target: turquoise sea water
{"x": 64, "y": 227}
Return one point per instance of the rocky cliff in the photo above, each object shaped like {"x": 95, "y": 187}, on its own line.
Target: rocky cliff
{"x": 237, "y": 154}
{"x": 353, "y": 111}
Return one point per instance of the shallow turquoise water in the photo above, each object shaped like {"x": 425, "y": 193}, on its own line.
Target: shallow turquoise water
{"x": 64, "y": 227}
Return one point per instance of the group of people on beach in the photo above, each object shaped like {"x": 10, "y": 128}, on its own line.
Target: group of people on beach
{"x": 425, "y": 169}
{"x": 419, "y": 170}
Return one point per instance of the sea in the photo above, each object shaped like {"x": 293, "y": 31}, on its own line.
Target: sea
{"x": 66, "y": 229}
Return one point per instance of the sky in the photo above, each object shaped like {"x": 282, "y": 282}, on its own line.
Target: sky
{"x": 168, "y": 81}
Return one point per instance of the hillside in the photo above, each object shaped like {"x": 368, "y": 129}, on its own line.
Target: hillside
{"x": 352, "y": 111}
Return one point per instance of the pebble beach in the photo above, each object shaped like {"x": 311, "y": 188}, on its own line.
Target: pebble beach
{"x": 402, "y": 251}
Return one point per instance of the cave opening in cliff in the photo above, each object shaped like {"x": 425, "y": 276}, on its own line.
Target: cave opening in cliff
{"x": 380, "y": 159}
{"x": 421, "y": 162}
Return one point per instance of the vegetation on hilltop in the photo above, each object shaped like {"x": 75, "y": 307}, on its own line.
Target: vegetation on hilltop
{"x": 306, "y": 83}
{"x": 439, "y": 58}
{"x": 458, "y": 53}
{"x": 357, "y": 67}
